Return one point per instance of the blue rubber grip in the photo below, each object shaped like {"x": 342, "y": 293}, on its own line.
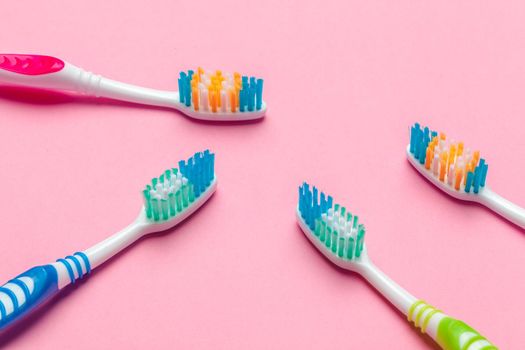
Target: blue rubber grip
{"x": 45, "y": 285}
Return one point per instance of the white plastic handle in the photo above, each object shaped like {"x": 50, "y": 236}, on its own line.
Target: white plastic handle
{"x": 73, "y": 78}
{"x": 503, "y": 207}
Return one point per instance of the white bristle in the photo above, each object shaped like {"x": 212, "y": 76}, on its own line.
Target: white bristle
{"x": 451, "y": 174}
{"x": 224, "y": 100}
{"x": 204, "y": 99}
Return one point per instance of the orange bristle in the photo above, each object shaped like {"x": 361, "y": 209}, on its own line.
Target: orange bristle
{"x": 195, "y": 97}
{"x": 460, "y": 149}
{"x": 459, "y": 175}
{"x": 442, "y": 136}
{"x": 430, "y": 156}
{"x": 233, "y": 102}
{"x": 452, "y": 156}
{"x": 475, "y": 158}
{"x": 213, "y": 100}
{"x": 443, "y": 166}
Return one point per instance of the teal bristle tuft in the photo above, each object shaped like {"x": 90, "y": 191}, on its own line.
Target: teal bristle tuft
{"x": 176, "y": 189}
{"x": 341, "y": 233}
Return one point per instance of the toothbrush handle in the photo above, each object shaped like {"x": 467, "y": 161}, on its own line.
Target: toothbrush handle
{"x": 504, "y": 207}
{"x": 27, "y": 291}
{"x": 449, "y": 333}
{"x": 52, "y": 73}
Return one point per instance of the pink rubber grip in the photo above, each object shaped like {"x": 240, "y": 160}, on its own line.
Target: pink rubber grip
{"x": 30, "y": 64}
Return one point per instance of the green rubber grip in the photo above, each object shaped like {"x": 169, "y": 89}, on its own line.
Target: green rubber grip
{"x": 451, "y": 334}
{"x": 454, "y": 334}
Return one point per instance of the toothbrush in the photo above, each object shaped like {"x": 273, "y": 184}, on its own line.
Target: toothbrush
{"x": 339, "y": 236}
{"x": 202, "y": 95}
{"x": 168, "y": 200}
{"x": 458, "y": 171}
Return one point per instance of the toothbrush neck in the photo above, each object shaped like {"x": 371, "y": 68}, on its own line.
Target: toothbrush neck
{"x": 103, "y": 251}
{"x": 393, "y": 292}
{"x": 502, "y": 206}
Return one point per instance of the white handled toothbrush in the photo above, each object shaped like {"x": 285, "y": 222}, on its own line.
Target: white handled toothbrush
{"x": 339, "y": 236}
{"x": 458, "y": 171}
{"x": 168, "y": 200}
{"x": 202, "y": 95}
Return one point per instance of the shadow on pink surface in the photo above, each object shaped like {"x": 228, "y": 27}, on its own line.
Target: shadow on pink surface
{"x": 43, "y": 97}
{"x": 27, "y": 322}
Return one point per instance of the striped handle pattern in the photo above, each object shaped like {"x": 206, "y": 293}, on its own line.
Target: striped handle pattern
{"x": 449, "y": 333}
{"x": 27, "y": 291}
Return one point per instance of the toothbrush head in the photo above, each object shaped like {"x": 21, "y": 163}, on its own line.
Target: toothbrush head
{"x": 178, "y": 192}
{"x": 220, "y": 96}
{"x": 449, "y": 165}
{"x": 332, "y": 229}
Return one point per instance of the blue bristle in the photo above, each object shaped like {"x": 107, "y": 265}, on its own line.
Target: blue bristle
{"x": 252, "y": 81}
{"x": 182, "y": 166}
{"x": 199, "y": 170}
{"x": 242, "y": 100}
{"x": 323, "y": 202}
{"x": 190, "y": 74}
{"x": 245, "y": 81}
{"x": 477, "y": 179}
{"x": 312, "y": 204}
{"x": 481, "y": 167}
{"x": 484, "y": 174}
{"x": 187, "y": 91}
{"x": 417, "y": 142}
{"x": 330, "y": 202}
{"x": 413, "y": 139}
{"x": 207, "y": 176}
{"x": 258, "y": 104}
{"x": 425, "y": 139}
{"x": 181, "y": 90}
{"x": 470, "y": 178}
{"x": 212, "y": 166}
{"x": 251, "y": 99}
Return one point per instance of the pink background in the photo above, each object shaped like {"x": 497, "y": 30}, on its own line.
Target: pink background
{"x": 343, "y": 81}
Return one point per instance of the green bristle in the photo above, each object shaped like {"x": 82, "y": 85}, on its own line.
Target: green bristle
{"x": 147, "y": 203}
{"x": 175, "y": 171}
{"x": 171, "y": 201}
{"x": 350, "y": 248}
{"x": 161, "y": 179}
{"x": 348, "y": 216}
{"x": 167, "y": 173}
{"x": 322, "y": 232}
{"x": 336, "y": 208}
{"x": 328, "y": 237}
{"x": 360, "y": 240}
{"x": 164, "y": 208}
{"x": 317, "y": 229}
{"x": 334, "y": 241}
{"x": 343, "y": 210}
{"x": 185, "y": 195}
{"x": 178, "y": 200}
{"x": 191, "y": 193}
{"x": 154, "y": 182}
{"x": 155, "y": 209}
{"x": 341, "y": 247}
{"x": 356, "y": 219}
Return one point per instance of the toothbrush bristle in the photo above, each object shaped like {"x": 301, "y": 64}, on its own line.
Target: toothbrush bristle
{"x": 332, "y": 225}
{"x": 450, "y": 162}
{"x": 176, "y": 189}
{"x": 220, "y": 92}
